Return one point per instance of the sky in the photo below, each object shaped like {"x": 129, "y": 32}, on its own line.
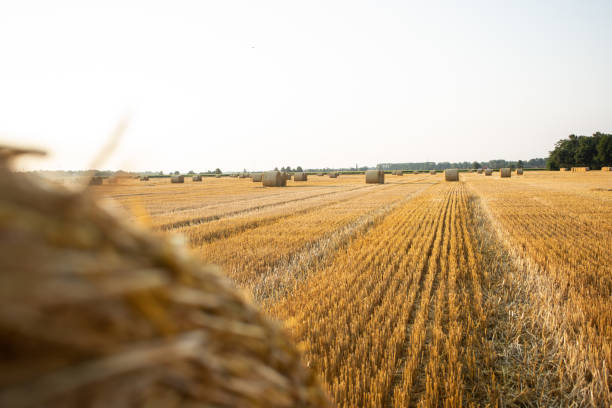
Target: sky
{"x": 261, "y": 84}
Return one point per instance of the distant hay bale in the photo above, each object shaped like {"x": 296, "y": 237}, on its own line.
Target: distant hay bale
{"x": 300, "y": 177}
{"x": 375, "y": 177}
{"x": 333, "y": 174}
{"x": 218, "y": 176}
{"x": 505, "y": 172}
{"x": 320, "y": 174}
{"x": 398, "y": 172}
{"x": 256, "y": 177}
{"x": 95, "y": 312}
{"x": 580, "y": 169}
{"x": 479, "y": 171}
{"x": 451, "y": 175}
{"x": 606, "y": 168}
{"x": 519, "y": 172}
{"x": 144, "y": 178}
{"x": 563, "y": 169}
{"x": 274, "y": 178}
{"x": 432, "y": 172}
{"x": 196, "y": 178}
{"x": 95, "y": 181}
{"x": 177, "y": 179}
{"x": 488, "y": 172}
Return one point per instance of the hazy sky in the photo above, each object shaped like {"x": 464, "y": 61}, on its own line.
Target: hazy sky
{"x": 259, "y": 84}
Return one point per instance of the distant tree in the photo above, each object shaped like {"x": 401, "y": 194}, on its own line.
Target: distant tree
{"x": 299, "y": 169}
{"x": 475, "y": 165}
{"x": 604, "y": 149}
{"x": 176, "y": 173}
{"x": 161, "y": 173}
{"x": 520, "y": 163}
{"x": 276, "y": 169}
{"x": 191, "y": 172}
{"x": 217, "y": 171}
{"x": 591, "y": 151}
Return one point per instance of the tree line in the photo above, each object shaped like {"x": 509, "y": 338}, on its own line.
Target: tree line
{"x": 582, "y": 151}
{"x": 492, "y": 164}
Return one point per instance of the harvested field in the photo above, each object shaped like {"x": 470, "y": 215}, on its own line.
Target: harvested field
{"x": 417, "y": 292}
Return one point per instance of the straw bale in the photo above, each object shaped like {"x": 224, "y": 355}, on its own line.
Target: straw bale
{"x": 375, "y": 177}
{"x": 95, "y": 312}
{"x": 451, "y": 175}
{"x": 519, "y": 172}
{"x": 505, "y": 172}
{"x": 606, "y": 168}
{"x": 333, "y": 174}
{"x": 95, "y": 181}
{"x": 479, "y": 171}
{"x": 488, "y": 172}
{"x": 196, "y": 178}
{"x": 300, "y": 177}
{"x": 274, "y": 178}
{"x": 256, "y": 177}
{"x": 580, "y": 169}
{"x": 177, "y": 179}
{"x": 432, "y": 172}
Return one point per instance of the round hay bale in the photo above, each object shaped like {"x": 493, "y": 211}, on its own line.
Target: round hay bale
{"x": 519, "y": 172}
{"x": 375, "y": 177}
{"x": 451, "y": 175}
{"x": 563, "y": 169}
{"x": 300, "y": 177}
{"x": 196, "y": 178}
{"x": 256, "y": 177}
{"x": 606, "y": 168}
{"x": 505, "y": 172}
{"x": 488, "y": 172}
{"x": 479, "y": 171}
{"x": 144, "y": 178}
{"x": 95, "y": 312}
{"x": 274, "y": 178}
{"x": 177, "y": 179}
{"x": 432, "y": 172}
{"x": 333, "y": 174}
{"x": 94, "y": 181}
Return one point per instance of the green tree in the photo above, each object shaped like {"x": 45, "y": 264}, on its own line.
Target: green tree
{"x": 218, "y": 171}
{"x": 475, "y": 165}
{"x": 299, "y": 169}
{"x": 604, "y": 149}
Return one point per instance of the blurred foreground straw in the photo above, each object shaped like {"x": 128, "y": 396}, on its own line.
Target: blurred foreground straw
{"x": 96, "y": 312}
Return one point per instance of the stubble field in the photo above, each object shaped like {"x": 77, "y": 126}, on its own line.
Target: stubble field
{"x": 418, "y": 292}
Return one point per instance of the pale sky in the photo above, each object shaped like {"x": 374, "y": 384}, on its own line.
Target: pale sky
{"x": 259, "y": 84}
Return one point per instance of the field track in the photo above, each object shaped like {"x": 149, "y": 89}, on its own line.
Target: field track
{"x": 418, "y": 292}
